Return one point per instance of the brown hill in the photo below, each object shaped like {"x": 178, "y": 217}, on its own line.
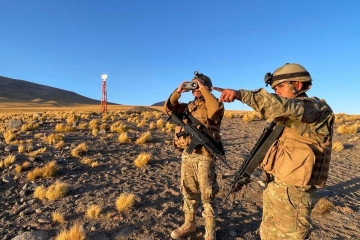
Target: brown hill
{"x": 13, "y": 90}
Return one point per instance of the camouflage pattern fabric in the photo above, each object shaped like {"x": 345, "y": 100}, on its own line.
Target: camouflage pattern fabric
{"x": 287, "y": 206}
{"x": 286, "y": 212}
{"x": 198, "y": 173}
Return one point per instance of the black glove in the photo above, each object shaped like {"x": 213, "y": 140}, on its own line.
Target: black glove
{"x": 240, "y": 184}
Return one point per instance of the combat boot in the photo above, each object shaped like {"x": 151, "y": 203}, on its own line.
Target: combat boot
{"x": 210, "y": 229}
{"x": 187, "y": 229}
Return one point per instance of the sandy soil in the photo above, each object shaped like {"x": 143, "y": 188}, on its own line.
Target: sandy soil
{"x": 157, "y": 210}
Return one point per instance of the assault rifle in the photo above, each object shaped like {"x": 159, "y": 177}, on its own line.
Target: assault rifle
{"x": 257, "y": 154}
{"x": 199, "y": 135}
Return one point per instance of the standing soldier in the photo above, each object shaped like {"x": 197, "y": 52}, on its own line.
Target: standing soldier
{"x": 298, "y": 161}
{"x": 198, "y": 168}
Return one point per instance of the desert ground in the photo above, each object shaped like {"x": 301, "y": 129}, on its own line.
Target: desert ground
{"x": 96, "y": 175}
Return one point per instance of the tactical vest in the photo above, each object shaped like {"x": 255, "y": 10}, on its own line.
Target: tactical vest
{"x": 298, "y": 160}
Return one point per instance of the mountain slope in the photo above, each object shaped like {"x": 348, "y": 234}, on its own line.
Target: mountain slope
{"x": 13, "y": 90}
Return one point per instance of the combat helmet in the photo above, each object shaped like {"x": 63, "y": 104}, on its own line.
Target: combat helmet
{"x": 290, "y": 72}
{"x": 205, "y": 80}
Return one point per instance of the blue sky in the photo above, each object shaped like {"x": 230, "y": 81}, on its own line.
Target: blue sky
{"x": 148, "y": 48}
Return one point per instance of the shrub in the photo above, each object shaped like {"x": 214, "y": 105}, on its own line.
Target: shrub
{"x": 9, "y": 160}
{"x": 160, "y": 123}
{"x": 76, "y": 232}
{"x": 123, "y": 138}
{"x": 93, "y": 211}
{"x": 144, "y": 138}
{"x": 344, "y": 129}
{"x": 337, "y": 146}
{"x": 142, "y": 160}
{"x": 53, "y": 138}
{"x": 79, "y": 150}
{"x": 125, "y": 201}
{"x": 56, "y": 191}
{"x": 118, "y": 127}
{"x": 49, "y": 170}
{"x": 229, "y": 115}
{"x": 248, "y": 117}
{"x": 29, "y": 126}
{"x": 9, "y": 136}
{"x": 152, "y": 126}
{"x": 40, "y": 192}
{"x": 37, "y": 152}
{"x": 57, "y": 217}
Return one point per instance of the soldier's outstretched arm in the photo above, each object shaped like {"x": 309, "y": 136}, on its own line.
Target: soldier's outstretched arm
{"x": 228, "y": 95}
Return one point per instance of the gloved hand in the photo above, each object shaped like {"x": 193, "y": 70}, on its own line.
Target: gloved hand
{"x": 240, "y": 184}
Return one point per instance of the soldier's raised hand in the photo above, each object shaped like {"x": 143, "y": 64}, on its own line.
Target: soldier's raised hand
{"x": 227, "y": 95}
{"x": 180, "y": 88}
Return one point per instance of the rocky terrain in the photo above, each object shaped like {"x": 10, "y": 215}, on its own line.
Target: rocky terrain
{"x": 158, "y": 202}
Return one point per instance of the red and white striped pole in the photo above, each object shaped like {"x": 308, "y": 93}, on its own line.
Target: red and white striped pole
{"x": 103, "y": 94}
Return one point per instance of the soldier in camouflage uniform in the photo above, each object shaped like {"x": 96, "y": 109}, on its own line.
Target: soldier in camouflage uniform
{"x": 298, "y": 161}
{"x": 198, "y": 168}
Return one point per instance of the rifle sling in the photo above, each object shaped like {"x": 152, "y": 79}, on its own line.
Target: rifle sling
{"x": 259, "y": 155}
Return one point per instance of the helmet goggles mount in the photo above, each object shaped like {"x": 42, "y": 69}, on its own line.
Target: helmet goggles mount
{"x": 270, "y": 78}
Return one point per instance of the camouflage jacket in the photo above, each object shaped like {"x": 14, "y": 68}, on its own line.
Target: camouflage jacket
{"x": 301, "y": 155}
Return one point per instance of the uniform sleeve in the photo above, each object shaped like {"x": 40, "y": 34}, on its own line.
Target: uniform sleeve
{"x": 277, "y": 108}
{"x": 214, "y": 107}
{"x": 172, "y": 104}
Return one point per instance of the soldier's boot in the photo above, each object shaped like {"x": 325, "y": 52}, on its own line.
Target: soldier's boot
{"x": 187, "y": 229}
{"x": 210, "y": 228}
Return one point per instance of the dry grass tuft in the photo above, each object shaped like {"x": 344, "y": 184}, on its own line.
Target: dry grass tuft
{"x": 56, "y": 191}
{"x": 93, "y": 124}
{"x": 53, "y": 138}
{"x": 9, "y": 160}
{"x": 229, "y": 115}
{"x": 152, "y": 126}
{"x": 354, "y": 139}
{"x": 37, "y": 152}
{"x": 59, "y": 145}
{"x": 118, "y": 127}
{"x": 144, "y": 138}
{"x": 22, "y": 167}
{"x": 123, "y": 138}
{"x": 80, "y": 150}
{"x": 248, "y": 117}
{"x": 40, "y": 192}
{"x": 125, "y": 201}
{"x": 170, "y": 126}
{"x": 29, "y": 126}
{"x": 160, "y": 123}
{"x": 142, "y": 160}
{"x": 57, "y": 217}
{"x": 61, "y": 127}
{"x": 93, "y": 211}
{"x": 76, "y": 232}
{"x": 49, "y": 170}
{"x": 345, "y": 129}
{"x": 322, "y": 207}
{"x": 337, "y": 146}
{"x": 9, "y": 136}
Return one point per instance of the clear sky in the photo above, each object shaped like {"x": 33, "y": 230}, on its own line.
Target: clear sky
{"x": 148, "y": 48}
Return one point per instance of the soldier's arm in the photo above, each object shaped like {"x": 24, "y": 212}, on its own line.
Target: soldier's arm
{"x": 172, "y": 104}
{"x": 274, "y": 107}
{"x": 214, "y": 107}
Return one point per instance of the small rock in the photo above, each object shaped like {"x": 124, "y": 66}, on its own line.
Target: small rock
{"x": 93, "y": 229}
{"x": 26, "y": 212}
{"x": 34, "y": 235}
{"x": 102, "y": 131}
{"x": 44, "y": 220}
{"x": 232, "y": 233}
{"x": 123, "y": 233}
{"x": 97, "y": 236}
{"x": 38, "y": 210}
{"x": 14, "y": 124}
{"x": 7, "y": 179}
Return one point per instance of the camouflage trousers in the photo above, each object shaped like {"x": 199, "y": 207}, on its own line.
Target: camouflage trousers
{"x": 286, "y": 212}
{"x": 198, "y": 173}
